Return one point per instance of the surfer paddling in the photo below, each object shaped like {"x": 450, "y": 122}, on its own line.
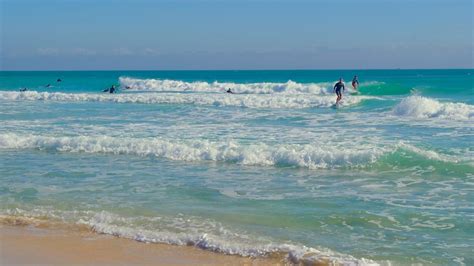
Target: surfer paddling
{"x": 337, "y": 89}
{"x": 110, "y": 90}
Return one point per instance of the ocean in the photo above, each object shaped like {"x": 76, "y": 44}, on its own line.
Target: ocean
{"x": 386, "y": 178}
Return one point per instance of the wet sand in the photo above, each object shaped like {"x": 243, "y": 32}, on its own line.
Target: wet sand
{"x": 26, "y": 244}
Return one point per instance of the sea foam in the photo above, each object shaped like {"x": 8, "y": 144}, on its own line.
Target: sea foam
{"x": 199, "y": 232}
{"x": 289, "y": 87}
{"x": 422, "y": 107}
{"x": 224, "y": 99}
{"x": 313, "y": 156}
{"x": 309, "y": 156}
{"x": 247, "y": 88}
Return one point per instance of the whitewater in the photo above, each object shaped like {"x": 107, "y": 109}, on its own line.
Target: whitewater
{"x": 386, "y": 178}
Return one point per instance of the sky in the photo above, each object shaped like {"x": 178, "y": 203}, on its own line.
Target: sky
{"x": 231, "y": 34}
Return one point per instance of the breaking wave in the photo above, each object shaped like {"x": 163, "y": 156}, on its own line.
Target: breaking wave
{"x": 289, "y": 87}
{"x": 312, "y": 156}
{"x": 183, "y": 230}
{"x": 224, "y": 99}
{"x": 422, "y": 107}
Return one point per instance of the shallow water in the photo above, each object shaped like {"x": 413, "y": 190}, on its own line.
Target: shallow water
{"x": 385, "y": 178}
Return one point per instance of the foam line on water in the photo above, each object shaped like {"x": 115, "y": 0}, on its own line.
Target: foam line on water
{"x": 202, "y": 233}
{"x": 224, "y": 99}
{"x": 312, "y": 156}
{"x": 423, "y": 107}
{"x": 289, "y": 87}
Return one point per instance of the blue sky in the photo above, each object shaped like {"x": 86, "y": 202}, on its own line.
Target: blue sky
{"x": 220, "y": 34}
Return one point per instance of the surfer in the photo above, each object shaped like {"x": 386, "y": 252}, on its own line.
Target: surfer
{"x": 337, "y": 88}
{"x": 58, "y": 80}
{"x": 355, "y": 83}
{"x": 110, "y": 90}
{"x": 47, "y": 86}
{"x": 229, "y": 91}
{"x": 24, "y": 89}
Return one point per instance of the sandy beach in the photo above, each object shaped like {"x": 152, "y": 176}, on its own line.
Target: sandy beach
{"x": 22, "y": 243}
{"x": 230, "y": 132}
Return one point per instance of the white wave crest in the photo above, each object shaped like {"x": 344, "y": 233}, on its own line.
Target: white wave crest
{"x": 313, "y": 156}
{"x": 225, "y": 241}
{"x": 289, "y": 87}
{"x": 224, "y": 99}
{"x": 318, "y": 155}
{"x": 191, "y": 231}
{"x": 422, "y": 107}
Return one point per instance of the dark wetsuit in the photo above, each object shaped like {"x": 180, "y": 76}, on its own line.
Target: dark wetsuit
{"x": 111, "y": 90}
{"x": 355, "y": 83}
{"x": 339, "y": 85}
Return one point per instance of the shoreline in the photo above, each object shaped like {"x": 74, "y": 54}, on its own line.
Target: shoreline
{"x": 32, "y": 241}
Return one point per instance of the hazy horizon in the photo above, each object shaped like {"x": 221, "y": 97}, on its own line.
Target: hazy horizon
{"x": 197, "y": 70}
{"x": 235, "y": 35}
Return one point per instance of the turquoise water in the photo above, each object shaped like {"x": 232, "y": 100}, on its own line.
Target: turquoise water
{"x": 386, "y": 178}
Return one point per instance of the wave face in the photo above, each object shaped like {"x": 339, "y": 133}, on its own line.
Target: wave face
{"x": 270, "y": 169}
{"x": 248, "y": 101}
{"x": 289, "y": 87}
{"x": 312, "y": 156}
{"x": 180, "y": 230}
{"x": 309, "y": 156}
{"x": 422, "y": 107}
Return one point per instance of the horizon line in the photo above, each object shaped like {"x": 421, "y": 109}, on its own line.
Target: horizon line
{"x": 282, "y": 69}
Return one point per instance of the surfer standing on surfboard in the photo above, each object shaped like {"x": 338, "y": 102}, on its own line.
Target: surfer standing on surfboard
{"x": 355, "y": 83}
{"x": 337, "y": 88}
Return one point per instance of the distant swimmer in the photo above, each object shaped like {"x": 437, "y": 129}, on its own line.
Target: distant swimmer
{"x": 58, "y": 80}
{"x": 110, "y": 90}
{"x": 128, "y": 87}
{"x": 47, "y": 86}
{"x": 24, "y": 89}
{"x": 355, "y": 83}
{"x": 337, "y": 88}
{"x": 229, "y": 91}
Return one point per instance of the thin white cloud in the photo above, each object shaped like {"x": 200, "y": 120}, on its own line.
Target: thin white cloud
{"x": 65, "y": 52}
{"x": 48, "y": 51}
{"x": 151, "y": 51}
{"x": 83, "y": 51}
{"x": 122, "y": 51}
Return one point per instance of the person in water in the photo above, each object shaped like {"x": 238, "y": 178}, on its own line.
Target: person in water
{"x": 58, "y": 80}
{"x": 47, "y": 86}
{"x": 337, "y": 88}
{"x": 24, "y": 89}
{"x": 355, "y": 83}
{"x": 229, "y": 91}
{"x": 110, "y": 90}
